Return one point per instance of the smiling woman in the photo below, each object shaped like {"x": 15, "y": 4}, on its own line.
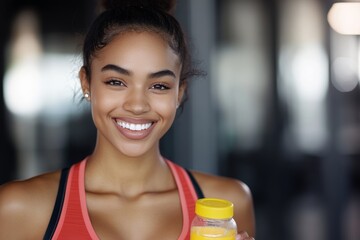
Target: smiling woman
{"x": 134, "y": 75}
{"x": 135, "y": 80}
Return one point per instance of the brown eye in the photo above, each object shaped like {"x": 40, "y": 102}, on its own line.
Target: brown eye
{"x": 114, "y": 82}
{"x": 160, "y": 86}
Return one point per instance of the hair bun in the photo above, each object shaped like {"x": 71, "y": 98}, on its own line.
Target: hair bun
{"x": 165, "y": 5}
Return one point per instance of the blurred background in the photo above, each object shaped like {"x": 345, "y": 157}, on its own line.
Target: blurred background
{"x": 278, "y": 109}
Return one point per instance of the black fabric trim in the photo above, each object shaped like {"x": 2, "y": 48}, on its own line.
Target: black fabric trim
{"x": 58, "y": 205}
{"x": 197, "y": 188}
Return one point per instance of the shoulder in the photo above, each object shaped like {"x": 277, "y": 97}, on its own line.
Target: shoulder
{"x": 27, "y": 205}
{"x": 217, "y": 186}
{"x": 233, "y": 190}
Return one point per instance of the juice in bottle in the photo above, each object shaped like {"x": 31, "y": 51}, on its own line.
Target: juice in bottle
{"x": 213, "y": 220}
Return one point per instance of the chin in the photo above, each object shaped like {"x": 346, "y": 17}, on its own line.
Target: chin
{"x": 133, "y": 150}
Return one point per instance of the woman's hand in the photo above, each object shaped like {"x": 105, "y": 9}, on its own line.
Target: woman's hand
{"x": 244, "y": 236}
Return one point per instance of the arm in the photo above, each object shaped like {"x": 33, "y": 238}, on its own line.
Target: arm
{"x": 14, "y": 215}
{"x": 26, "y": 207}
{"x": 243, "y": 208}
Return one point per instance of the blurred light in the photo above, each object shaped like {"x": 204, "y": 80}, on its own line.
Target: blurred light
{"x": 59, "y": 85}
{"x": 22, "y": 79}
{"x": 304, "y": 84}
{"x": 22, "y": 89}
{"x": 310, "y": 76}
{"x": 46, "y": 86}
{"x": 358, "y": 58}
{"x": 344, "y": 17}
{"x": 38, "y": 82}
{"x": 344, "y": 74}
{"x": 309, "y": 70}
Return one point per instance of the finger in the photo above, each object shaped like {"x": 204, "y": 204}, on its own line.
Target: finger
{"x": 238, "y": 237}
{"x": 243, "y": 235}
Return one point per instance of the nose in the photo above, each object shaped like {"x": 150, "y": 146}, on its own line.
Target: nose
{"x": 137, "y": 102}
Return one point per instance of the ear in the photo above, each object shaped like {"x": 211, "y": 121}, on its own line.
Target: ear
{"x": 84, "y": 80}
{"x": 182, "y": 90}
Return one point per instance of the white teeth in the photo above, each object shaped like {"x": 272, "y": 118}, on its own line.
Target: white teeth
{"x": 133, "y": 126}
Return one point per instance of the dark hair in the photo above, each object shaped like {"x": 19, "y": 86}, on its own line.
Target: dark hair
{"x": 136, "y": 15}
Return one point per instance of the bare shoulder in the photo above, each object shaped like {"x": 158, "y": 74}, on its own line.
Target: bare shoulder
{"x": 28, "y": 205}
{"x": 218, "y": 186}
{"x": 233, "y": 190}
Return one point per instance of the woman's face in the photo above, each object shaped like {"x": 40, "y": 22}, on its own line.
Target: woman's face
{"x": 134, "y": 91}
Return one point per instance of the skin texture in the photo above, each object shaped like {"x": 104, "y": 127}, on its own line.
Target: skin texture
{"x": 134, "y": 79}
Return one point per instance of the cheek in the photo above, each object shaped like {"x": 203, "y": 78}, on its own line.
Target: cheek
{"x": 167, "y": 107}
{"x": 103, "y": 102}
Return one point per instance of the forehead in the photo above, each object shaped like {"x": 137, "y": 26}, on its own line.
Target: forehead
{"x": 136, "y": 48}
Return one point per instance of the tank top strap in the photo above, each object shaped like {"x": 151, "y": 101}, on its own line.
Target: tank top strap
{"x": 187, "y": 196}
{"x": 74, "y": 219}
{"x": 195, "y": 184}
{"x": 58, "y": 205}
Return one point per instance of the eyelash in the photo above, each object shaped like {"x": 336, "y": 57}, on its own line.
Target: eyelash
{"x": 114, "y": 82}
{"x": 160, "y": 86}
{"x": 157, "y": 86}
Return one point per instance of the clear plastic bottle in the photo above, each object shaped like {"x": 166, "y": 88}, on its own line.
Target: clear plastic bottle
{"x": 213, "y": 220}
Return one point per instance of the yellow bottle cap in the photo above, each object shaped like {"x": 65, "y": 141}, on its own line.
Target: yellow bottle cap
{"x": 214, "y": 208}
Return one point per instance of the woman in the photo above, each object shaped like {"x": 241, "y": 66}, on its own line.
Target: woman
{"x": 134, "y": 74}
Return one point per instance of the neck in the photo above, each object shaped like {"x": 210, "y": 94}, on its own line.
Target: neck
{"x": 111, "y": 171}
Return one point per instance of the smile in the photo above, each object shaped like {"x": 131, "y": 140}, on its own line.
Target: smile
{"x": 134, "y": 126}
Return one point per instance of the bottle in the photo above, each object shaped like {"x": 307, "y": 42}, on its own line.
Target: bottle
{"x": 213, "y": 220}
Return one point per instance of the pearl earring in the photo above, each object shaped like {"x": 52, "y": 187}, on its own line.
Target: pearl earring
{"x": 87, "y": 95}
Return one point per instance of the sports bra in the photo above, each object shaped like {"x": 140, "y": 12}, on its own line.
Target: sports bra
{"x": 70, "y": 218}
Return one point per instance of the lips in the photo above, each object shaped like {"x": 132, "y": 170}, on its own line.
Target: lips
{"x": 135, "y": 129}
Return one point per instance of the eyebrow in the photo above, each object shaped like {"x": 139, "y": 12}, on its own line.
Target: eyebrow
{"x": 112, "y": 67}
{"x": 162, "y": 73}
{"x": 118, "y": 69}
